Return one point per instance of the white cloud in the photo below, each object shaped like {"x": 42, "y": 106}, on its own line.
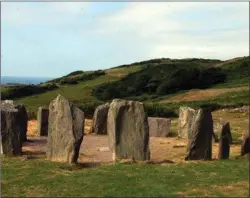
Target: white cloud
{"x": 16, "y": 13}
{"x": 164, "y": 31}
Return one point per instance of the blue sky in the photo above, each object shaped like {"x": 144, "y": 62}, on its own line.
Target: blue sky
{"x": 51, "y": 39}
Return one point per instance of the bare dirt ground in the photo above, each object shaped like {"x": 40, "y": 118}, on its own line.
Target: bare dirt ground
{"x": 195, "y": 95}
{"x": 94, "y": 148}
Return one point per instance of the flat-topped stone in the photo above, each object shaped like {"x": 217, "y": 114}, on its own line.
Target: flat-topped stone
{"x": 128, "y": 130}
{"x": 11, "y": 129}
{"x": 159, "y": 127}
{"x": 185, "y": 121}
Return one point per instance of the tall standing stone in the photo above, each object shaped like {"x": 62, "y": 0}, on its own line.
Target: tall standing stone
{"x": 200, "y": 144}
{"x": 66, "y": 129}
{"x": 128, "y": 130}
{"x": 100, "y": 119}
{"x": 23, "y": 121}
{"x": 186, "y": 118}
{"x": 225, "y": 129}
{"x": 225, "y": 141}
{"x": 245, "y": 146}
{"x": 42, "y": 121}
{"x": 11, "y": 130}
{"x": 159, "y": 127}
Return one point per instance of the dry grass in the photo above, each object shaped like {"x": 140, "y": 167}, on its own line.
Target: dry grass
{"x": 235, "y": 189}
{"x": 88, "y": 126}
{"x": 239, "y": 121}
{"x": 162, "y": 149}
{"x": 197, "y": 94}
{"x": 174, "y": 149}
{"x": 32, "y": 127}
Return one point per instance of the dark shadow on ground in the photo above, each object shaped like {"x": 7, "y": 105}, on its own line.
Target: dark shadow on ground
{"x": 162, "y": 162}
{"x": 80, "y": 166}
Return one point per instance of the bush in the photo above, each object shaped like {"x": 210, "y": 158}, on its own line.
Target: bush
{"x": 25, "y": 90}
{"x": 82, "y": 77}
{"x": 68, "y": 81}
{"x": 74, "y": 73}
{"x": 161, "y": 80}
{"x": 156, "y": 110}
{"x": 32, "y": 115}
{"x": 88, "y": 107}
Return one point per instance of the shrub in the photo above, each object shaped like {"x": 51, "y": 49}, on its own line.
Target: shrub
{"x": 25, "y": 90}
{"x": 88, "y": 107}
{"x": 156, "y": 110}
{"x": 75, "y": 73}
{"x": 162, "y": 79}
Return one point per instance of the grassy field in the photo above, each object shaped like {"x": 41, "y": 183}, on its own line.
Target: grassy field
{"x": 230, "y": 178}
{"x": 79, "y": 94}
{"x": 232, "y": 93}
{"x": 31, "y": 178}
{"x": 199, "y": 94}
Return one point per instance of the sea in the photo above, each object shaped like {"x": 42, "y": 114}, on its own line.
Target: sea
{"x": 23, "y": 80}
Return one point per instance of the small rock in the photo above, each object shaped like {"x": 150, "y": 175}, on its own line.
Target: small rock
{"x": 179, "y": 146}
{"x": 103, "y": 149}
{"x": 127, "y": 161}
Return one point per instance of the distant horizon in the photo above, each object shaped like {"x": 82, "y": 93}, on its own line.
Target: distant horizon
{"x": 56, "y": 38}
{"x": 53, "y": 77}
{"x": 24, "y": 80}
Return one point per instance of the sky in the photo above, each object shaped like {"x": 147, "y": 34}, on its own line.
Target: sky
{"x": 52, "y": 39}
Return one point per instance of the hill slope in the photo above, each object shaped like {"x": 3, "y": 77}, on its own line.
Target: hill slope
{"x": 130, "y": 77}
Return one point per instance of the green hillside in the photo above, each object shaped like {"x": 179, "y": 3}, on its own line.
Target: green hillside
{"x": 148, "y": 81}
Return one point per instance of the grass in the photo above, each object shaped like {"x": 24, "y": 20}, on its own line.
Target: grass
{"x": 200, "y": 94}
{"x": 80, "y": 93}
{"x": 123, "y": 71}
{"x": 239, "y": 121}
{"x": 47, "y": 179}
{"x": 226, "y": 100}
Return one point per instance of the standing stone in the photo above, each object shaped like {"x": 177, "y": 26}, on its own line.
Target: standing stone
{"x": 225, "y": 129}
{"x": 224, "y": 143}
{"x": 100, "y": 119}
{"x": 159, "y": 127}
{"x": 128, "y": 130}
{"x": 66, "y": 129}
{"x": 1, "y": 147}
{"x": 42, "y": 121}
{"x": 23, "y": 121}
{"x": 200, "y": 144}
{"x": 186, "y": 118}
{"x": 245, "y": 146}
{"x": 11, "y": 136}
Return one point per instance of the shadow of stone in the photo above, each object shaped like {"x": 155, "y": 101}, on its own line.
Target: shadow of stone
{"x": 162, "y": 162}
{"x": 27, "y": 155}
{"x": 247, "y": 156}
{"x": 237, "y": 142}
{"x": 83, "y": 165}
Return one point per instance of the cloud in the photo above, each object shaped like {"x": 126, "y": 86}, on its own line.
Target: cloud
{"x": 179, "y": 29}
{"x": 16, "y": 13}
